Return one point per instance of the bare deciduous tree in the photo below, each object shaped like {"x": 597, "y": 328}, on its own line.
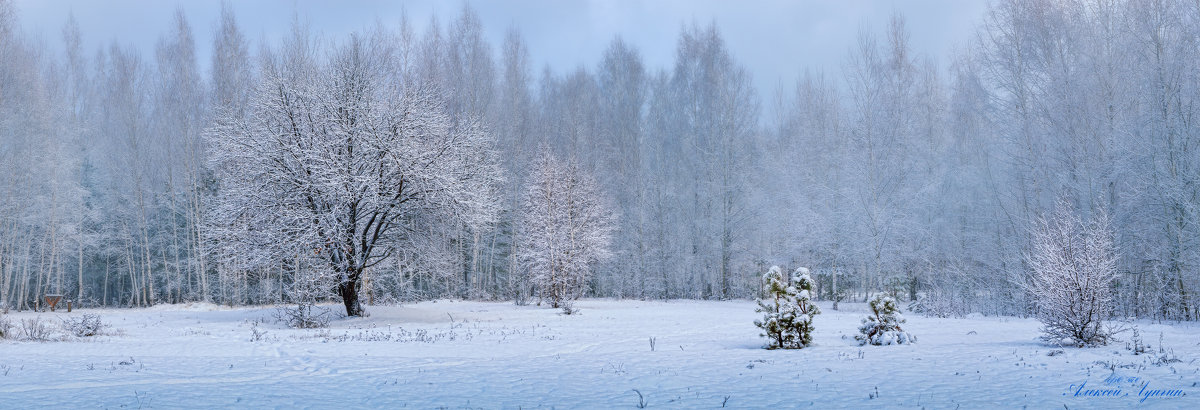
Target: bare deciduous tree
{"x": 340, "y": 163}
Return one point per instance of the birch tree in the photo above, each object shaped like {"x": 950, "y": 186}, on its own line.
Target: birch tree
{"x": 566, "y": 229}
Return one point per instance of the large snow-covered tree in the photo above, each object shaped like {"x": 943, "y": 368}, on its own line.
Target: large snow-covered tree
{"x": 621, "y": 80}
{"x": 566, "y": 229}
{"x": 177, "y": 121}
{"x": 702, "y": 127}
{"x": 340, "y": 165}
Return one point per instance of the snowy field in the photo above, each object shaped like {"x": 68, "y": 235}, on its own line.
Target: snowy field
{"x": 451, "y": 354}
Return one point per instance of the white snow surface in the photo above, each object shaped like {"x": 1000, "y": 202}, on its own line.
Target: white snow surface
{"x": 456, "y": 354}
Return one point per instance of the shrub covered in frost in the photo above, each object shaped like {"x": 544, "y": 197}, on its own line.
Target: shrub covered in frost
{"x": 882, "y": 327}
{"x": 788, "y": 309}
{"x": 84, "y": 326}
{"x": 303, "y": 316}
{"x": 1074, "y": 267}
{"x": 5, "y": 327}
{"x": 34, "y": 329}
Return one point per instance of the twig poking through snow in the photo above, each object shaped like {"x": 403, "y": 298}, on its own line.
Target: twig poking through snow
{"x": 641, "y": 399}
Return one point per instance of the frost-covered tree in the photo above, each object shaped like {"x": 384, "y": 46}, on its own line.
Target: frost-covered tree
{"x": 1074, "y": 265}
{"x": 882, "y": 326}
{"x": 813, "y": 215}
{"x": 1158, "y": 230}
{"x": 42, "y": 203}
{"x": 514, "y": 131}
{"x": 177, "y": 121}
{"x": 340, "y": 163}
{"x": 894, "y": 154}
{"x": 621, "y": 80}
{"x": 566, "y": 229}
{"x": 788, "y": 309}
{"x": 703, "y": 134}
{"x": 230, "y": 70}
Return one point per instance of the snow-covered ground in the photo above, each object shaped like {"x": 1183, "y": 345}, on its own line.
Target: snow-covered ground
{"x": 452, "y": 354}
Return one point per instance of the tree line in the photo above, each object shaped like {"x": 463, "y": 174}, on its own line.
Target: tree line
{"x": 897, "y": 174}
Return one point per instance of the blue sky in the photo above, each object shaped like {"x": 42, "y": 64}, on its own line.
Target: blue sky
{"x": 774, "y": 39}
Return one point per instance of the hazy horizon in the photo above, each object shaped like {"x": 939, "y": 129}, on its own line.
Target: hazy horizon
{"x": 775, "y": 40}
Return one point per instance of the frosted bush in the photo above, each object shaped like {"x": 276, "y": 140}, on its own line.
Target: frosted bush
{"x": 882, "y": 327}
{"x": 84, "y": 326}
{"x": 303, "y": 316}
{"x": 1074, "y": 266}
{"x": 5, "y": 327}
{"x": 35, "y": 330}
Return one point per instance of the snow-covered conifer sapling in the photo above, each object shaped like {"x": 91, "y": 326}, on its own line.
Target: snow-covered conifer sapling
{"x": 788, "y": 309}
{"x": 882, "y": 326}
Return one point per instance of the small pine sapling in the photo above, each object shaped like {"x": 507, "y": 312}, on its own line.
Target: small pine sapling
{"x": 882, "y": 327}
{"x": 806, "y": 309}
{"x": 773, "y": 307}
{"x": 1136, "y": 344}
{"x": 788, "y": 309}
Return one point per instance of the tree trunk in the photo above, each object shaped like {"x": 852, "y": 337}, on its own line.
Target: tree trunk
{"x": 834, "y": 293}
{"x": 79, "y": 296}
{"x": 349, "y": 291}
{"x": 107, "y": 266}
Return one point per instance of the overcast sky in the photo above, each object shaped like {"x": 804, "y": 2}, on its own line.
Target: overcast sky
{"x": 774, "y": 39}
